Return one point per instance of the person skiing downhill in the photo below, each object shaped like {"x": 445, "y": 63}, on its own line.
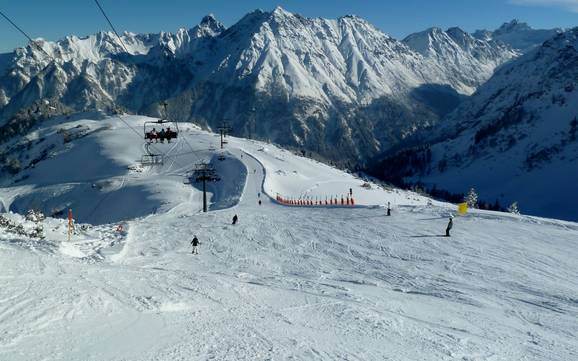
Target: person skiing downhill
{"x": 450, "y": 225}
{"x": 388, "y": 209}
{"x": 235, "y": 219}
{"x": 195, "y": 243}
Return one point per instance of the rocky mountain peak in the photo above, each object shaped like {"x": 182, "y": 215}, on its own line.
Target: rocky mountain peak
{"x": 457, "y": 33}
{"x": 513, "y": 25}
{"x": 211, "y": 26}
{"x": 281, "y": 13}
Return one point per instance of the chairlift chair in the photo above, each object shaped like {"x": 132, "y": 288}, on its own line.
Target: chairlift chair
{"x": 151, "y": 133}
{"x": 152, "y": 130}
{"x": 151, "y": 158}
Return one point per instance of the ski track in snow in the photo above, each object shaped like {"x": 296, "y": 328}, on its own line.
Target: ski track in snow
{"x": 292, "y": 283}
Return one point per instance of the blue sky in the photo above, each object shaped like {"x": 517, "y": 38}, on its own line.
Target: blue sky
{"x": 54, "y": 19}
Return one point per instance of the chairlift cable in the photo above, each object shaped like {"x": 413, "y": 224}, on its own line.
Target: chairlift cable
{"x": 112, "y": 26}
{"x": 122, "y": 43}
{"x": 23, "y": 33}
{"x": 34, "y": 43}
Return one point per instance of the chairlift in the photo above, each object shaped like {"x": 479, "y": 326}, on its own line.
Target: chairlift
{"x": 157, "y": 132}
{"x": 151, "y": 158}
{"x": 152, "y": 134}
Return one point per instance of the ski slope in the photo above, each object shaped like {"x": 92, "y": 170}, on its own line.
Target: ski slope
{"x": 305, "y": 283}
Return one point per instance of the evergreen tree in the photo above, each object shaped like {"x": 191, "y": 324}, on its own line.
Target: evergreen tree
{"x": 513, "y": 208}
{"x": 472, "y": 198}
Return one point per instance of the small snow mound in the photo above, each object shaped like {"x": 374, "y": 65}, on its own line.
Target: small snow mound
{"x": 71, "y": 250}
{"x": 174, "y": 307}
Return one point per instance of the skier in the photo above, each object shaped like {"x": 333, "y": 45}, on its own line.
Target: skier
{"x": 162, "y": 135}
{"x": 350, "y": 192}
{"x": 388, "y": 210}
{"x": 195, "y": 243}
{"x": 259, "y": 202}
{"x": 235, "y": 219}
{"x": 450, "y": 225}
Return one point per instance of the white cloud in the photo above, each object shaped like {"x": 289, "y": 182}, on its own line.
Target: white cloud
{"x": 571, "y": 5}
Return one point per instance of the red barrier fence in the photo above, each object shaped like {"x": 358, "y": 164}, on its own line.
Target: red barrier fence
{"x": 329, "y": 201}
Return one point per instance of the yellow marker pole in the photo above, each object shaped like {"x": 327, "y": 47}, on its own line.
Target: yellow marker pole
{"x": 462, "y": 208}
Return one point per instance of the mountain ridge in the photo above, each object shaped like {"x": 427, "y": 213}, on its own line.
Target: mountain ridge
{"x": 340, "y": 88}
{"x": 519, "y": 35}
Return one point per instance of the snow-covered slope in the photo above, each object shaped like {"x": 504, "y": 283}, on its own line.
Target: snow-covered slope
{"x": 518, "y": 35}
{"x": 113, "y": 186}
{"x": 340, "y": 88}
{"x": 284, "y": 283}
{"x": 516, "y": 138}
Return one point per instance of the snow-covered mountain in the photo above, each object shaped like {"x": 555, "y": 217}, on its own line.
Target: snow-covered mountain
{"x": 518, "y": 35}
{"x": 471, "y": 60}
{"x": 516, "y": 138}
{"x": 340, "y": 88}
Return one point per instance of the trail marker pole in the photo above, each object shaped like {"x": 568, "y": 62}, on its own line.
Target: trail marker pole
{"x": 70, "y": 224}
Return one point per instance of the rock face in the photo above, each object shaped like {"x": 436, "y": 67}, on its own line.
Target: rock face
{"x": 340, "y": 88}
{"x": 516, "y": 138}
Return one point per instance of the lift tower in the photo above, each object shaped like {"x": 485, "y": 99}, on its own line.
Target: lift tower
{"x": 204, "y": 172}
{"x": 224, "y": 129}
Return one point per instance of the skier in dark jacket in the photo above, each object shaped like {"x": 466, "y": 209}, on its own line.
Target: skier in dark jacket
{"x": 235, "y": 219}
{"x": 388, "y": 210}
{"x": 450, "y": 225}
{"x": 195, "y": 243}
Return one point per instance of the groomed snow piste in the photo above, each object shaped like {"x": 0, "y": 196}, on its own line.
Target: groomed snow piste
{"x": 285, "y": 282}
